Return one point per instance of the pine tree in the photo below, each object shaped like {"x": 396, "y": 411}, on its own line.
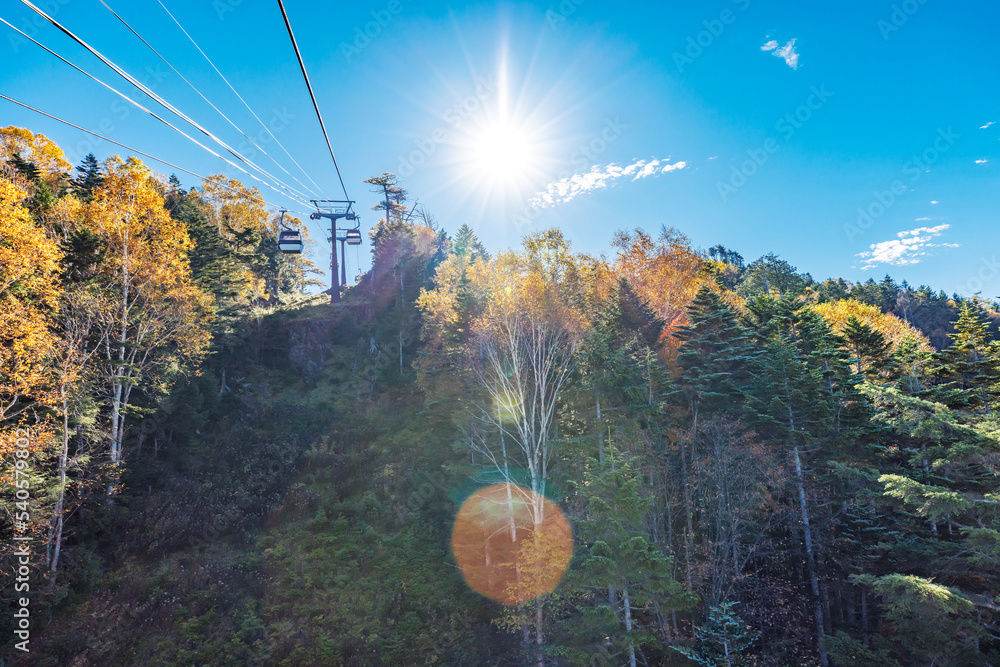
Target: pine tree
{"x": 83, "y": 252}
{"x": 826, "y": 350}
{"x": 631, "y": 573}
{"x": 717, "y": 355}
{"x": 42, "y": 197}
{"x": 938, "y": 498}
{"x": 215, "y": 264}
{"x": 771, "y": 276}
{"x": 967, "y": 373}
{"x": 635, "y": 315}
{"x": 609, "y": 365}
{"x": 717, "y": 359}
{"x": 910, "y": 361}
{"x": 723, "y": 641}
{"x": 467, "y": 244}
{"x": 871, "y": 349}
{"x": 27, "y": 169}
{"x": 931, "y": 624}
{"x": 787, "y": 404}
{"x": 88, "y": 177}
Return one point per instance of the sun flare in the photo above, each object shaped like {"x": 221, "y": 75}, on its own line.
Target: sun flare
{"x": 502, "y": 153}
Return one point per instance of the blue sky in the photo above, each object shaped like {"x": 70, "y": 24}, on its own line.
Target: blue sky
{"x": 813, "y": 131}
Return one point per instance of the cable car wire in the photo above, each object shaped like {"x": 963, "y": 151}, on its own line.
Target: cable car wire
{"x": 200, "y": 94}
{"x": 139, "y": 106}
{"x": 142, "y": 87}
{"x": 117, "y": 143}
{"x": 145, "y": 89}
{"x": 133, "y": 150}
{"x": 305, "y": 75}
{"x": 262, "y": 124}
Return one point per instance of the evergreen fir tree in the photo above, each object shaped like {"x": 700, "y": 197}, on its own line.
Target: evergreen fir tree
{"x": 723, "y": 641}
{"x": 787, "y": 405}
{"x": 870, "y": 348}
{"x": 83, "y": 251}
{"x": 771, "y": 276}
{"x": 607, "y": 368}
{"x": 717, "y": 354}
{"x": 467, "y": 244}
{"x": 215, "y": 264}
{"x": 635, "y": 315}
{"x": 909, "y": 363}
{"x": 631, "y": 573}
{"x": 24, "y": 167}
{"x": 967, "y": 373}
{"x": 88, "y": 177}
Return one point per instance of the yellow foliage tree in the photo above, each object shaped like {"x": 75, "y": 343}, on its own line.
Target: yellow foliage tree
{"x": 29, "y": 293}
{"x": 231, "y": 204}
{"x": 151, "y": 314}
{"x": 65, "y": 215}
{"x": 36, "y": 148}
{"x": 30, "y": 349}
{"x": 522, "y": 352}
{"x": 440, "y": 305}
{"x": 895, "y": 330}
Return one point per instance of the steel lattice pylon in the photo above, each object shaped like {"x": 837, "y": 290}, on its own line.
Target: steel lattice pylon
{"x": 334, "y": 210}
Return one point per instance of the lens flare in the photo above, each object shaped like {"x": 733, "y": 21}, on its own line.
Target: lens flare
{"x": 511, "y": 544}
{"x": 508, "y": 406}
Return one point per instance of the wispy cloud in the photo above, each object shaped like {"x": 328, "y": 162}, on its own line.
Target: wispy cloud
{"x": 982, "y": 161}
{"x": 935, "y": 201}
{"x": 786, "y": 52}
{"x": 909, "y": 247}
{"x": 567, "y": 189}
{"x": 983, "y": 127}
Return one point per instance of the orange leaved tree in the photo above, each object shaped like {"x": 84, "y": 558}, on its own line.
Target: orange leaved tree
{"x": 666, "y": 273}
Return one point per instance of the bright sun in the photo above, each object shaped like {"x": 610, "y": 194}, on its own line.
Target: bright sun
{"x": 502, "y": 153}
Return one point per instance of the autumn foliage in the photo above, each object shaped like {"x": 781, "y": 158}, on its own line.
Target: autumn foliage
{"x": 666, "y": 272}
{"x": 29, "y": 296}
{"x": 656, "y": 456}
{"x": 894, "y": 329}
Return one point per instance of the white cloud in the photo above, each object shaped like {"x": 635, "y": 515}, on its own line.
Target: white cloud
{"x": 713, "y": 157}
{"x": 983, "y": 127}
{"x": 910, "y": 247}
{"x": 935, "y": 201}
{"x": 921, "y": 219}
{"x": 936, "y": 231}
{"x": 567, "y": 189}
{"x": 786, "y": 52}
{"x": 982, "y": 161}
{"x": 647, "y": 170}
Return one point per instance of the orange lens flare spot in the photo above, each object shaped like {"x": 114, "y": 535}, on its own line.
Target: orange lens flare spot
{"x": 511, "y": 544}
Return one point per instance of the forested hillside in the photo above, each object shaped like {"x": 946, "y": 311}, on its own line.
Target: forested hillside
{"x": 209, "y": 466}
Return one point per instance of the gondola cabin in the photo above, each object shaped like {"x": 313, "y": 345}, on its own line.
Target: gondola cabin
{"x": 290, "y": 242}
{"x": 353, "y": 237}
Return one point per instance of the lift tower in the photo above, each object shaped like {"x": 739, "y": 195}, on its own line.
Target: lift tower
{"x": 335, "y": 210}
